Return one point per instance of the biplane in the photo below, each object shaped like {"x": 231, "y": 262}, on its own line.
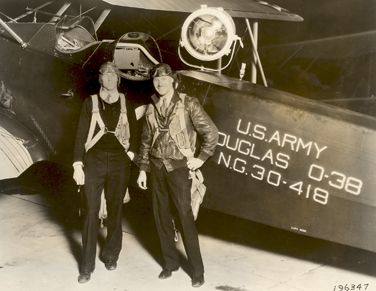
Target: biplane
{"x": 284, "y": 160}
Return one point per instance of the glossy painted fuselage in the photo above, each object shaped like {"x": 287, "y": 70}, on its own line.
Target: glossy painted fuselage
{"x": 288, "y": 162}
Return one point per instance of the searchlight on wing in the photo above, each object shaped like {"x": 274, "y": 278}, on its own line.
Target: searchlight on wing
{"x": 207, "y": 35}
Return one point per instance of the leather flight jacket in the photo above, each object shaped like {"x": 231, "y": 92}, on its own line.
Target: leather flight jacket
{"x": 162, "y": 140}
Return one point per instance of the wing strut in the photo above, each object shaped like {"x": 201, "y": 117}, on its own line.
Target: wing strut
{"x": 31, "y": 11}
{"x": 101, "y": 19}
{"x": 12, "y": 33}
{"x": 60, "y": 12}
{"x": 255, "y": 54}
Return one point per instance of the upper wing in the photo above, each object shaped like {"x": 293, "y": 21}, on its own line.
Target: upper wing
{"x": 335, "y": 47}
{"x": 339, "y": 69}
{"x": 236, "y": 8}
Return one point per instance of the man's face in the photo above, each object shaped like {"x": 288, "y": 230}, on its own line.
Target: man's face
{"x": 163, "y": 84}
{"x": 109, "y": 80}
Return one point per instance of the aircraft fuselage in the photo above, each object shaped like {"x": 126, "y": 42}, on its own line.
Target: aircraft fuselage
{"x": 289, "y": 162}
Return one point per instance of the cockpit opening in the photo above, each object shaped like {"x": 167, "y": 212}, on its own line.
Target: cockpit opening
{"x": 73, "y": 34}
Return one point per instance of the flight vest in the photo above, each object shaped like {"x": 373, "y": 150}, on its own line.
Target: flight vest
{"x": 177, "y": 128}
{"x": 121, "y": 132}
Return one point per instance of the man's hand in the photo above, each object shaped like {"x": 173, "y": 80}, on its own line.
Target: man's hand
{"x": 79, "y": 175}
{"x": 194, "y": 163}
{"x": 141, "y": 180}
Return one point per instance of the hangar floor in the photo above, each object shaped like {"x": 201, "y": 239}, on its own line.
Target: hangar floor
{"x": 39, "y": 251}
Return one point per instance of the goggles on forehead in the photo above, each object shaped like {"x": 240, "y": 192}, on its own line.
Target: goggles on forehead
{"x": 163, "y": 70}
{"x": 109, "y": 68}
{"x": 163, "y": 76}
{"x": 108, "y": 72}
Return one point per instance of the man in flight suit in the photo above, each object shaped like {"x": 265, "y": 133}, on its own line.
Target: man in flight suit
{"x": 165, "y": 141}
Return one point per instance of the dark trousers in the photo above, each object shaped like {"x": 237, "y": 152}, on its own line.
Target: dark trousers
{"x": 175, "y": 186}
{"x": 111, "y": 172}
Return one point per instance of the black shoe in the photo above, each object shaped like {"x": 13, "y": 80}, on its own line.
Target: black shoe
{"x": 166, "y": 273}
{"x": 198, "y": 281}
{"x": 84, "y": 277}
{"x": 110, "y": 265}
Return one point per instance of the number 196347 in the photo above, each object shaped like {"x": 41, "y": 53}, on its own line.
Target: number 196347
{"x": 349, "y": 287}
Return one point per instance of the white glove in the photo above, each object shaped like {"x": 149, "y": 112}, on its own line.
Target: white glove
{"x": 130, "y": 155}
{"x": 194, "y": 163}
{"x": 78, "y": 174}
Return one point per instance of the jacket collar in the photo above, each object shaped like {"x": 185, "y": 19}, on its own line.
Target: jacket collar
{"x": 174, "y": 98}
